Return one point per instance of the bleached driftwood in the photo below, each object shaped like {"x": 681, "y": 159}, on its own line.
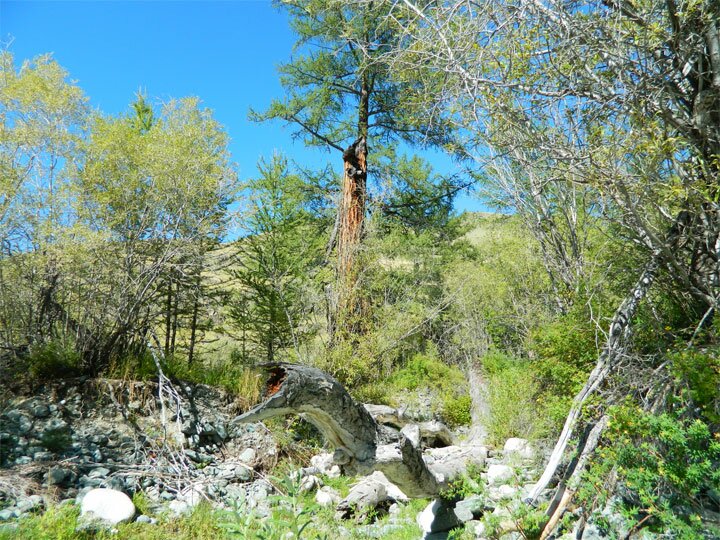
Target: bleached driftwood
{"x": 361, "y": 445}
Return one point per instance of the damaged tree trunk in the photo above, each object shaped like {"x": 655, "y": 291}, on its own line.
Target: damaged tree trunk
{"x": 351, "y": 218}
{"x": 361, "y": 445}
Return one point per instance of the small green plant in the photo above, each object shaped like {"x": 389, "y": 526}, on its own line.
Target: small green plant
{"x": 664, "y": 462}
{"x": 56, "y": 440}
{"x": 456, "y": 410}
{"x": 466, "y": 485}
{"x": 53, "y": 361}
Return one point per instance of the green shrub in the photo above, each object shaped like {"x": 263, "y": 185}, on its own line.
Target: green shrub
{"x": 53, "y": 361}
{"x": 697, "y": 372}
{"x": 512, "y": 390}
{"x": 456, "y": 410}
{"x": 665, "y": 464}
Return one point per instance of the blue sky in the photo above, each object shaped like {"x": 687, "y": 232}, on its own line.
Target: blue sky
{"x": 224, "y": 52}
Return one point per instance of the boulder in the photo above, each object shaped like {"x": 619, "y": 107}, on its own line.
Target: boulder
{"x": 438, "y": 516}
{"x": 327, "y": 496}
{"x": 519, "y": 449}
{"x": 499, "y": 474}
{"x": 471, "y": 508}
{"x": 108, "y": 505}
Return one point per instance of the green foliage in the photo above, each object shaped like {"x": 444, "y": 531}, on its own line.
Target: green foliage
{"x": 469, "y": 483}
{"x": 284, "y": 241}
{"x": 665, "y": 462}
{"x": 424, "y": 370}
{"x": 456, "y": 410}
{"x": 53, "y": 360}
{"x": 697, "y": 372}
{"x": 512, "y": 391}
{"x": 57, "y": 523}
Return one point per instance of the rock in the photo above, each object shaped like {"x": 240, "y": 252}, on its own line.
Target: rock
{"x": 310, "y": 483}
{"x": 499, "y": 474}
{"x": 519, "y": 449}
{"x": 180, "y": 508}
{"x": 384, "y": 414}
{"x": 192, "y": 496}
{"x": 40, "y": 410}
{"x": 502, "y": 492}
{"x": 412, "y": 432}
{"x": 108, "y": 505}
{"x": 470, "y": 508}
{"x": 327, "y": 496}
{"x": 43, "y": 456}
{"x": 7, "y": 514}
{"x": 146, "y": 519}
{"x": 449, "y": 462}
{"x": 364, "y": 495}
{"x": 198, "y": 457}
{"x": 322, "y": 462}
{"x": 438, "y": 516}
{"x": 435, "y": 434}
{"x": 248, "y": 456}
{"x": 99, "y": 472}
{"x": 393, "y": 492}
{"x": 57, "y": 476}
{"x": 29, "y": 504}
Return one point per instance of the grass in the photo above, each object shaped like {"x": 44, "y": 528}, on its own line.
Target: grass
{"x": 292, "y": 512}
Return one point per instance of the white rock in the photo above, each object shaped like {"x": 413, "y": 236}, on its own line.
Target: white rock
{"x": 109, "y": 505}
{"x": 192, "y": 496}
{"x": 323, "y": 462}
{"x": 327, "y": 496}
{"x": 247, "y": 456}
{"x": 437, "y": 517}
{"x": 391, "y": 489}
{"x": 499, "y": 474}
{"x": 310, "y": 483}
{"x": 521, "y": 448}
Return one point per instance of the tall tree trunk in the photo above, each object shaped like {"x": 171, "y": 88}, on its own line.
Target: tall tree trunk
{"x": 351, "y": 219}
{"x": 193, "y": 323}
{"x": 168, "y": 317}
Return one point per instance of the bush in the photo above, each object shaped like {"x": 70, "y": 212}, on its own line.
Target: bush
{"x": 666, "y": 464}
{"x": 456, "y": 410}
{"x": 53, "y": 361}
{"x": 512, "y": 390}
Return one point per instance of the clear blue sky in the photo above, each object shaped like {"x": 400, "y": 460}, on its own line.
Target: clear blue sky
{"x": 224, "y": 52}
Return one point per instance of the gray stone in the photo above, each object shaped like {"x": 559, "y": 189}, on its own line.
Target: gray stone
{"x": 310, "y": 483}
{"x": 108, "y": 505}
{"x": 31, "y": 503}
{"x": 146, "y": 519}
{"x": 470, "y": 508}
{"x": 327, "y": 496}
{"x": 499, "y": 474}
{"x": 7, "y": 514}
{"x": 248, "y": 456}
{"x": 198, "y": 457}
{"x": 99, "y": 472}
{"x": 57, "y": 476}
{"x": 41, "y": 410}
{"x": 438, "y": 516}
{"x": 43, "y": 456}
{"x": 516, "y": 448}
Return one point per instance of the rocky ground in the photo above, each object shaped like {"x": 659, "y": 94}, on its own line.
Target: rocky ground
{"x": 94, "y": 441}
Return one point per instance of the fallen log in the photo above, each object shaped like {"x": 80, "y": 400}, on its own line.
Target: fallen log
{"x": 361, "y": 445}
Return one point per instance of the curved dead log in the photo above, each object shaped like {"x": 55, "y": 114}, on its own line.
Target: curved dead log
{"x": 360, "y": 445}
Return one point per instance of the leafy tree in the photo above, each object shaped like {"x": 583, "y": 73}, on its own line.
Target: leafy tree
{"x": 42, "y": 117}
{"x": 337, "y": 92}
{"x": 151, "y": 201}
{"x": 283, "y": 241}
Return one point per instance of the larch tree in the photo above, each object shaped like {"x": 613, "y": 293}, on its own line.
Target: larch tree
{"x": 339, "y": 97}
